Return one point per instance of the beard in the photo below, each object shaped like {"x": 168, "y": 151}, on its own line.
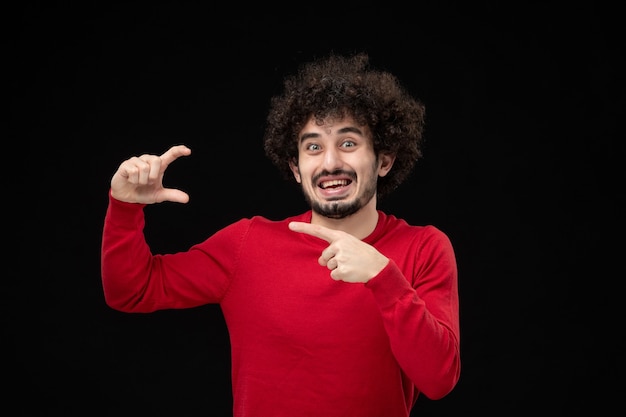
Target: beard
{"x": 339, "y": 209}
{"x": 336, "y": 209}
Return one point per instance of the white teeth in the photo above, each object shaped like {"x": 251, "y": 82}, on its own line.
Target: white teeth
{"x": 333, "y": 183}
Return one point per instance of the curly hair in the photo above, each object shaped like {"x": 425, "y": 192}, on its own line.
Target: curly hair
{"x": 339, "y": 86}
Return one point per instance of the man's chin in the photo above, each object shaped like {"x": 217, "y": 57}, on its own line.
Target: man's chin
{"x": 336, "y": 210}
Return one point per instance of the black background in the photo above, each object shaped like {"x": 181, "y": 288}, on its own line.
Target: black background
{"x": 523, "y": 169}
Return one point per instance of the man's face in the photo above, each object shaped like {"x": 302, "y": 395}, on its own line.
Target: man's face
{"x": 337, "y": 167}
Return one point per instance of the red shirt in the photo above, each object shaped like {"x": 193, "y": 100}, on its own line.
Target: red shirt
{"x": 303, "y": 344}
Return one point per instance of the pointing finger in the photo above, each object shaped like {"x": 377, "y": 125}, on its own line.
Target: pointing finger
{"x": 316, "y": 230}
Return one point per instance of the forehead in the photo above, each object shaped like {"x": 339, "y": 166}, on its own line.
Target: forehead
{"x": 332, "y": 126}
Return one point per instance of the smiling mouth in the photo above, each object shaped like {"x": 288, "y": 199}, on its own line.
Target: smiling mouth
{"x": 333, "y": 184}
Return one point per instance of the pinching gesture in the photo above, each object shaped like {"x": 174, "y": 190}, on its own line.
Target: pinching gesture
{"x": 140, "y": 178}
{"x": 348, "y": 258}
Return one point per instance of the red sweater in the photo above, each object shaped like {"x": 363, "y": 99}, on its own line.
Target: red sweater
{"x": 304, "y": 344}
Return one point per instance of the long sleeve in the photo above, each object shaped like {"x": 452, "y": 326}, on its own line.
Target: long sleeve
{"x": 135, "y": 280}
{"x": 421, "y": 312}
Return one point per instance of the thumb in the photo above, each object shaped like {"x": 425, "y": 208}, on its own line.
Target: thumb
{"x": 174, "y": 195}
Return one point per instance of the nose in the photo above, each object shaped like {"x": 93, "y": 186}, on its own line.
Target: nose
{"x": 332, "y": 159}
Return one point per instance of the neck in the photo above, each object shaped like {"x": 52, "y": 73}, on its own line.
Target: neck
{"x": 360, "y": 224}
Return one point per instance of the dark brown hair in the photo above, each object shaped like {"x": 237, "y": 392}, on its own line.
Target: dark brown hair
{"x": 339, "y": 86}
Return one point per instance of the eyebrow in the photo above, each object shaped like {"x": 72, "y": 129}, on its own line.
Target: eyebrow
{"x": 347, "y": 129}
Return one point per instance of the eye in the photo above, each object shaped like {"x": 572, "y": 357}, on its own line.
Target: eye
{"x": 348, "y": 144}
{"x": 312, "y": 147}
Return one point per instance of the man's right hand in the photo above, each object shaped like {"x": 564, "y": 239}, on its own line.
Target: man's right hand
{"x": 140, "y": 178}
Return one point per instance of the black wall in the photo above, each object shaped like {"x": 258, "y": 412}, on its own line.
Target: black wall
{"x": 522, "y": 169}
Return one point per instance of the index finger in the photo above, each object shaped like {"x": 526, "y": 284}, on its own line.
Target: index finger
{"x": 174, "y": 153}
{"x": 316, "y": 230}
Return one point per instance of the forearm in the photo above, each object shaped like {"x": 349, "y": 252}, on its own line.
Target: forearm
{"x": 426, "y": 345}
{"x": 125, "y": 256}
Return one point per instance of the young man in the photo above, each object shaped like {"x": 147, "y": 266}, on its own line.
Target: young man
{"x": 342, "y": 310}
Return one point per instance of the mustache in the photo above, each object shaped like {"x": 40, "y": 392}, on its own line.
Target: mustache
{"x": 324, "y": 173}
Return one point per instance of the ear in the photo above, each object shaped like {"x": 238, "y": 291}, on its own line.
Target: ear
{"x": 386, "y": 161}
{"x": 294, "y": 168}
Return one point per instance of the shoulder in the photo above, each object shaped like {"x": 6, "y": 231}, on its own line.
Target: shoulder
{"x": 264, "y": 224}
{"x": 266, "y": 221}
{"x": 399, "y": 229}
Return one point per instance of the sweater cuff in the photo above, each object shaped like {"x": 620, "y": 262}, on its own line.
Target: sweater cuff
{"x": 125, "y": 213}
{"x": 390, "y": 285}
